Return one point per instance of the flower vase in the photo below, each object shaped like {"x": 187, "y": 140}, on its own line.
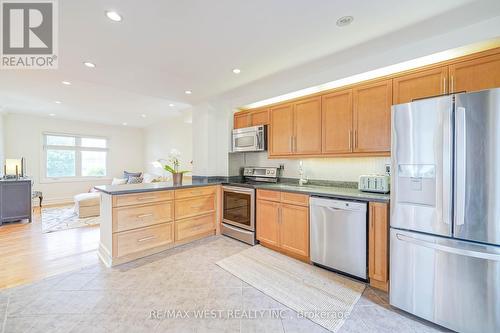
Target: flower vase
{"x": 177, "y": 178}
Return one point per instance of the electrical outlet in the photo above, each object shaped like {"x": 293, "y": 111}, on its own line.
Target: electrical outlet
{"x": 388, "y": 169}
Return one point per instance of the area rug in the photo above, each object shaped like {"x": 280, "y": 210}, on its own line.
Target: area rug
{"x": 324, "y": 297}
{"x": 62, "y": 218}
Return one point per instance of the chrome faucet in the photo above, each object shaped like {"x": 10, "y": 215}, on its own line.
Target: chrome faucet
{"x": 302, "y": 179}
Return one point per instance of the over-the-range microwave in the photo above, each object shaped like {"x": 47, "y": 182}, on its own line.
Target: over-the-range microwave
{"x": 250, "y": 139}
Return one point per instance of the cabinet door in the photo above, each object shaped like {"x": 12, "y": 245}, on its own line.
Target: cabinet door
{"x": 477, "y": 74}
{"x": 281, "y": 130}
{"x": 336, "y": 111}
{"x": 241, "y": 120}
{"x": 267, "y": 225}
{"x": 372, "y": 117}
{"x": 378, "y": 267}
{"x": 423, "y": 84}
{"x": 307, "y": 123}
{"x": 260, "y": 117}
{"x": 294, "y": 230}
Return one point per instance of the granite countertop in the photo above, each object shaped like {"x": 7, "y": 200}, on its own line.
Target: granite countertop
{"x": 138, "y": 188}
{"x": 330, "y": 190}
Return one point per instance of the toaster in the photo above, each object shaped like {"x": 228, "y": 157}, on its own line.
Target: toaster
{"x": 374, "y": 183}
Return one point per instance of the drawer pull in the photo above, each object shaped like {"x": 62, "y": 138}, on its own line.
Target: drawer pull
{"x": 196, "y": 206}
{"x": 146, "y": 239}
{"x": 144, "y": 215}
{"x": 146, "y": 198}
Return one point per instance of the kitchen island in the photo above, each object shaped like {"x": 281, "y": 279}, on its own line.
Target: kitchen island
{"x": 138, "y": 220}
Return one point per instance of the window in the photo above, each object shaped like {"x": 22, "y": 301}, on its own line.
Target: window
{"x": 74, "y": 156}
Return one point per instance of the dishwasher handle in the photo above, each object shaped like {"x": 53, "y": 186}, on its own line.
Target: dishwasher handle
{"x": 338, "y": 205}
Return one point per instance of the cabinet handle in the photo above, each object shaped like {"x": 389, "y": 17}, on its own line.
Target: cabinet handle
{"x": 350, "y": 139}
{"x": 144, "y": 215}
{"x": 295, "y": 144}
{"x": 146, "y": 239}
{"x": 444, "y": 85}
{"x": 355, "y": 139}
{"x": 291, "y": 143}
{"x": 452, "y": 85}
{"x": 196, "y": 206}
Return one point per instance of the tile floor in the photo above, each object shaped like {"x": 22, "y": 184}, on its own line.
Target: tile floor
{"x": 133, "y": 298}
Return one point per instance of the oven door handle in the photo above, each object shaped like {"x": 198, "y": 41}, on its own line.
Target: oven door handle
{"x": 241, "y": 190}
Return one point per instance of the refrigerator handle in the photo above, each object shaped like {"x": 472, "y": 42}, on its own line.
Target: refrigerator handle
{"x": 449, "y": 249}
{"x": 460, "y": 164}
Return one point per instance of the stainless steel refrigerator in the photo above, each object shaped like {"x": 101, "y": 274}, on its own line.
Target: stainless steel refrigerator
{"x": 445, "y": 210}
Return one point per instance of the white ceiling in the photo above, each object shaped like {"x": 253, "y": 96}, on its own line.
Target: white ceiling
{"x": 162, "y": 48}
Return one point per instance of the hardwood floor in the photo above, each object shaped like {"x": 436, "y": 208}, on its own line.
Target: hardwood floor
{"x": 27, "y": 254}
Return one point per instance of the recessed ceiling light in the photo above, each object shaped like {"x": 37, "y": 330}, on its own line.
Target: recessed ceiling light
{"x": 143, "y": 115}
{"x": 57, "y": 102}
{"x": 113, "y": 16}
{"x": 52, "y": 114}
{"x": 171, "y": 105}
{"x": 344, "y": 20}
{"x": 124, "y": 124}
{"x": 188, "y": 92}
{"x": 66, "y": 83}
{"x": 236, "y": 71}
{"x": 89, "y": 64}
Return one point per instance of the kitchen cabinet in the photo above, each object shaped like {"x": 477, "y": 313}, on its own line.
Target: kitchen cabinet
{"x": 476, "y": 74}
{"x": 307, "y": 126}
{"x": 378, "y": 245}
{"x": 281, "y": 130}
{"x": 337, "y": 122}
{"x": 372, "y": 117}
{"x": 294, "y": 229}
{"x": 426, "y": 83}
{"x": 251, "y": 118}
{"x": 241, "y": 119}
{"x": 259, "y": 117}
{"x": 283, "y": 222}
{"x": 296, "y": 128}
{"x": 268, "y": 215}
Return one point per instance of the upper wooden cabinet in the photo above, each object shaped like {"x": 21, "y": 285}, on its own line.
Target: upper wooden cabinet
{"x": 281, "y": 130}
{"x": 251, "y": 118}
{"x": 427, "y": 83}
{"x": 372, "y": 117}
{"x": 307, "y": 124}
{"x": 337, "y": 122}
{"x": 476, "y": 74}
{"x": 296, "y": 128}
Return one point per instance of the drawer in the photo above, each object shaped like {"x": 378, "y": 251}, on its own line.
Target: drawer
{"x": 194, "y": 226}
{"x": 269, "y": 195}
{"x": 132, "y": 241}
{"x": 195, "y": 192}
{"x": 133, "y": 217}
{"x": 142, "y": 198}
{"x": 295, "y": 198}
{"x": 194, "y": 206}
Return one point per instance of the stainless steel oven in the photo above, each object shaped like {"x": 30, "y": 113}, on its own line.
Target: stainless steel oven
{"x": 238, "y": 213}
{"x": 250, "y": 139}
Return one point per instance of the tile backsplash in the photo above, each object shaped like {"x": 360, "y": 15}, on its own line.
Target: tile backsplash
{"x": 338, "y": 168}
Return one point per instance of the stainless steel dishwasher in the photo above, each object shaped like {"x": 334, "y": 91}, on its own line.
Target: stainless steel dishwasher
{"x": 338, "y": 235}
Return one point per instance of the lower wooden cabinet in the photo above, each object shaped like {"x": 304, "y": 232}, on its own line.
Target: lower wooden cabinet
{"x": 294, "y": 230}
{"x": 283, "y": 226}
{"x": 378, "y": 245}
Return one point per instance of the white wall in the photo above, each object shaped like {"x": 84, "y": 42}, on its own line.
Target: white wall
{"x": 340, "y": 169}
{"x": 161, "y": 138}
{"x": 210, "y": 120}
{"x": 23, "y": 138}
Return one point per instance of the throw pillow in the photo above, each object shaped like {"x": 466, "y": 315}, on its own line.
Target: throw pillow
{"x": 134, "y": 180}
{"x": 119, "y": 181}
{"x": 127, "y": 174}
